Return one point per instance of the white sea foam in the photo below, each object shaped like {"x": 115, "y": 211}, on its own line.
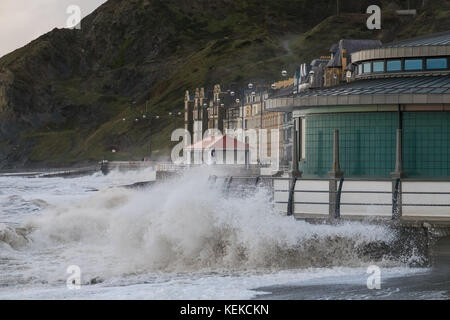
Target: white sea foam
{"x": 184, "y": 226}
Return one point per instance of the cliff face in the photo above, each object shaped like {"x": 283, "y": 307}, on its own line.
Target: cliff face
{"x": 64, "y": 95}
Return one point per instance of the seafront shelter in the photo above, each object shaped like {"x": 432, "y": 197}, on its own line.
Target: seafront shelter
{"x": 390, "y": 120}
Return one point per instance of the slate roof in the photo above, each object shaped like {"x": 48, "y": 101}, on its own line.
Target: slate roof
{"x": 408, "y": 85}
{"x": 351, "y": 46}
{"x": 437, "y": 39}
{"x": 412, "y": 85}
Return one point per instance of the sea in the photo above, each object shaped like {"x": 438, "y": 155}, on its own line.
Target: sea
{"x": 90, "y": 237}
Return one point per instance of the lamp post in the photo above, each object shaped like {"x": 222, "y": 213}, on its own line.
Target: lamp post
{"x": 150, "y": 118}
{"x": 216, "y": 105}
{"x": 205, "y": 107}
{"x": 175, "y": 116}
{"x": 261, "y": 87}
{"x": 232, "y": 94}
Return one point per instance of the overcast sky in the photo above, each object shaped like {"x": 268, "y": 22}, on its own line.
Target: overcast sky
{"x": 22, "y": 21}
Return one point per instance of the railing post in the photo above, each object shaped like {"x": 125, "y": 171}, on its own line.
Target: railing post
{"x": 230, "y": 180}
{"x": 335, "y": 174}
{"x": 397, "y": 175}
{"x": 396, "y": 200}
{"x": 337, "y": 212}
{"x": 295, "y": 152}
{"x": 290, "y": 207}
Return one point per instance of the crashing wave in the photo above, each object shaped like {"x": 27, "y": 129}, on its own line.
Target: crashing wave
{"x": 187, "y": 224}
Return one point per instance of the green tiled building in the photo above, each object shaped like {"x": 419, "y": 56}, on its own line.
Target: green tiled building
{"x": 401, "y": 89}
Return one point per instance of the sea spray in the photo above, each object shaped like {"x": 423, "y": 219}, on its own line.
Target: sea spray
{"x": 186, "y": 225}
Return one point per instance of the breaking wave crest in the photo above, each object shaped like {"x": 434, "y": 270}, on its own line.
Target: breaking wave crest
{"x": 187, "y": 224}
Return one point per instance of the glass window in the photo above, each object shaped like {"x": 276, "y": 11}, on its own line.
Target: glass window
{"x": 367, "y": 67}
{"x": 360, "y": 68}
{"x": 413, "y": 64}
{"x": 378, "y": 66}
{"x": 394, "y": 65}
{"x": 436, "y": 63}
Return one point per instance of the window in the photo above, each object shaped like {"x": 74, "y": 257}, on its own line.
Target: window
{"x": 302, "y": 138}
{"x": 378, "y": 66}
{"x": 360, "y": 68}
{"x": 436, "y": 63}
{"x": 413, "y": 64}
{"x": 394, "y": 65}
{"x": 367, "y": 67}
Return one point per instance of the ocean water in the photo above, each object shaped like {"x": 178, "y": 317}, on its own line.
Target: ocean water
{"x": 180, "y": 239}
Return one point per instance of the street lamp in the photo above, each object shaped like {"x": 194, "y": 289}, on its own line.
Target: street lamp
{"x": 216, "y": 106}
{"x": 175, "y": 118}
{"x": 150, "y": 117}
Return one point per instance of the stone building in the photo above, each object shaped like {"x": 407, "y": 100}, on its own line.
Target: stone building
{"x": 195, "y": 112}
{"x": 228, "y": 110}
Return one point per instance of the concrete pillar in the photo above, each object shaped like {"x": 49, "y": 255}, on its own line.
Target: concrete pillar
{"x": 334, "y": 175}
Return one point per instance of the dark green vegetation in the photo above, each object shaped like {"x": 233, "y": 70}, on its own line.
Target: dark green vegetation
{"x": 64, "y": 95}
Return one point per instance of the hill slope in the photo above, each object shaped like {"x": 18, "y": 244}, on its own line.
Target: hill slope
{"x": 64, "y": 96}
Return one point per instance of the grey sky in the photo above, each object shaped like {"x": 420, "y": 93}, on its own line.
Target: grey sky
{"x": 22, "y": 21}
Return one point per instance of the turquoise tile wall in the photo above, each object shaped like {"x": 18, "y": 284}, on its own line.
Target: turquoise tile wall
{"x": 367, "y": 143}
{"x": 426, "y": 143}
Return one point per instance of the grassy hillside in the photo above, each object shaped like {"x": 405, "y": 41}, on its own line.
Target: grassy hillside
{"x": 69, "y": 102}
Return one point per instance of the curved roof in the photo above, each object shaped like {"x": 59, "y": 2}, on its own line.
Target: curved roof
{"x": 437, "y": 39}
{"x": 402, "y": 90}
{"x": 437, "y": 44}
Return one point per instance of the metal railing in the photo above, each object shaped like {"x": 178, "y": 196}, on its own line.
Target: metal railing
{"x": 396, "y": 193}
